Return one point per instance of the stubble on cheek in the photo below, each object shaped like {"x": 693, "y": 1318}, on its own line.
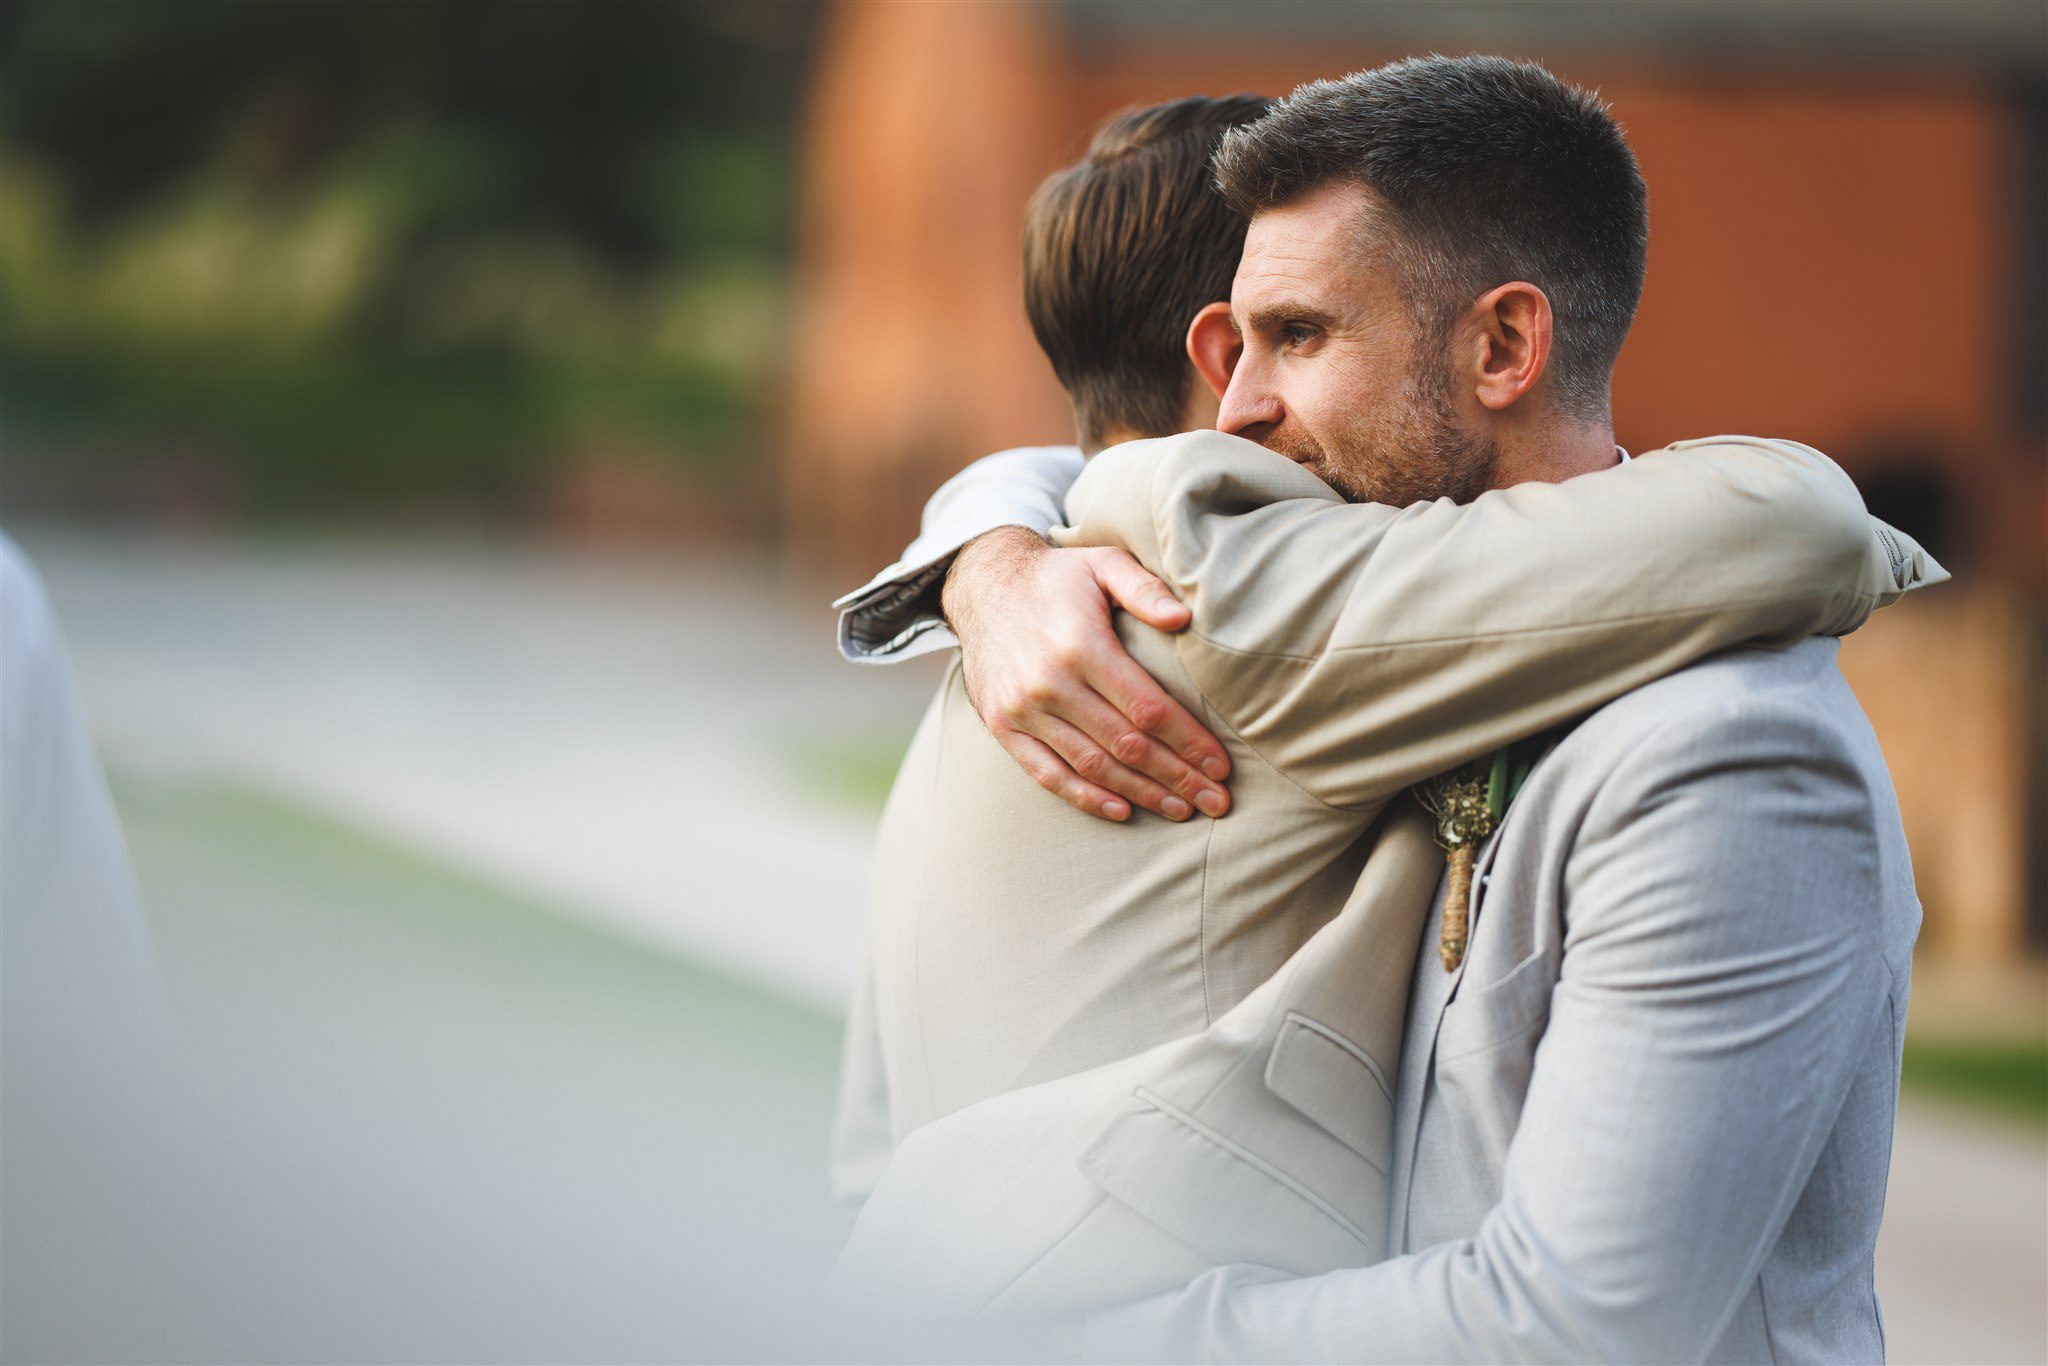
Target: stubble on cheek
{"x": 1378, "y": 457}
{"x": 1357, "y": 469}
{"x": 1407, "y": 448}
{"x": 1396, "y": 445}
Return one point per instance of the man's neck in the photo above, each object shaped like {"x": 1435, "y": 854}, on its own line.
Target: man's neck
{"x": 1115, "y": 436}
{"x": 1555, "y": 452}
{"x": 1198, "y": 414}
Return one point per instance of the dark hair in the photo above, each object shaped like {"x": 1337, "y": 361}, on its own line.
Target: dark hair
{"x": 1490, "y": 170}
{"x": 1122, "y": 249}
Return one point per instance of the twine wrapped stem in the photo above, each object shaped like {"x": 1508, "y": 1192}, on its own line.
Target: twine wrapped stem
{"x": 1457, "y": 907}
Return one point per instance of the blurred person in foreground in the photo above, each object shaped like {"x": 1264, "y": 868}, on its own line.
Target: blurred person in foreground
{"x": 79, "y": 1006}
{"x": 1703, "y": 911}
{"x": 77, "y": 951}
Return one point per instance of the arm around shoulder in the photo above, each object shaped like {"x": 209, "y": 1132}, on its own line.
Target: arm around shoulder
{"x": 1363, "y": 647}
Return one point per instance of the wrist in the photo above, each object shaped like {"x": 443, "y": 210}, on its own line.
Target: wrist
{"x": 1001, "y": 553}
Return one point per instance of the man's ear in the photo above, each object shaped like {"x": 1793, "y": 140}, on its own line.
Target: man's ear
{"x": 1510, "y": 344}
{"x": 1214, "y": 346}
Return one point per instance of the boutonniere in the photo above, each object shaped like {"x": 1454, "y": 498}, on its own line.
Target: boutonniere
{"x": 1467, "y": 805}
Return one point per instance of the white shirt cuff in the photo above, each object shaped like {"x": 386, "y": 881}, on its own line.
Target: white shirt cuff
{"x": 895, "y": 615}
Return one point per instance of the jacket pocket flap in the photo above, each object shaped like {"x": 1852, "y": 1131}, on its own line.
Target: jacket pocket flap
{"x": 1335, "y": 1083}
{"x": 1481, "y": 1018}
{"x": 1218, "y": 1197}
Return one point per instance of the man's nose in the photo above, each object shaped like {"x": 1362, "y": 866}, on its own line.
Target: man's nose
{"x": 1248, "y": 406}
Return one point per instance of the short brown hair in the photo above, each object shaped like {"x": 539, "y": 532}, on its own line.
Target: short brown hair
{"x": 1492, "y": 170}
{"x": 1122, "y": 249}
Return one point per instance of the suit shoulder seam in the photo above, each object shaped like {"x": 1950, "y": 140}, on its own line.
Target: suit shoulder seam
{"x": 1508, "y": 633}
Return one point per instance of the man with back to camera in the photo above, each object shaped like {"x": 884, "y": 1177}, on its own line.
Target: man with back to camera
{"x": 1384, "y": 353}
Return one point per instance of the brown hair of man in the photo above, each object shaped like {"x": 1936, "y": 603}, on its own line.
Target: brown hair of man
{"x": 1121, "y": 250}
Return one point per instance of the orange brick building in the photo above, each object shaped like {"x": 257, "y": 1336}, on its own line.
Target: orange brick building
{"x": 1849, "y": 245}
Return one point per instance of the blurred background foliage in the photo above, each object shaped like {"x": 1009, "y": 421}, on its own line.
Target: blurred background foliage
{"x": 444, "y": 258}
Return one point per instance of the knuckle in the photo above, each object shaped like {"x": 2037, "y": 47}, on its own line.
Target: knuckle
{"x": 1148, "y": 713}
{"x": 1129, "y": 747}
{"x": 1091, "y": 763}
{"x": 1073, "y": 644}
{"x": 1146, "y": 794}
{"x": 1041, "y": 689}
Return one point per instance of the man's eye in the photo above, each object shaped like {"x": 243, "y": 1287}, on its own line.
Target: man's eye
{"x": 1297, "y": 334}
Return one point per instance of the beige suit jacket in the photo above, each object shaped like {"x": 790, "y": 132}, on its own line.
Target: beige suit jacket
{"x": 1342, "y": 652}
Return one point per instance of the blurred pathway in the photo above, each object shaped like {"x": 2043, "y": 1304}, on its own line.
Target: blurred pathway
{"x": 1962, "y": 1259}
{"x": 619, "y": 735}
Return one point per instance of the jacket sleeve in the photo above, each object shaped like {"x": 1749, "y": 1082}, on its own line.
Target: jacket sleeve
{"x": 1722, "y": 977}
{"x": 895, "y": 615}
{"x": 1360, "y": 648}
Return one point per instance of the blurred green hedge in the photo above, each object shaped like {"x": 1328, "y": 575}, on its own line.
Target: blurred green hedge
{"x": 351, "y": 256}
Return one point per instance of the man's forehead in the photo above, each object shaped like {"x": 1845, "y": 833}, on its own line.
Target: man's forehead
{"x": 1325, "y": 220}
{"x": 1307, "y": 248}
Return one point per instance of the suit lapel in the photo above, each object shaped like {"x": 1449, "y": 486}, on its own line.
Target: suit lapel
{"x": 1431, "y": 991}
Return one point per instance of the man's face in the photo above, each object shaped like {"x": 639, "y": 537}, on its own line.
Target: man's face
{"x": 1335, "y": 373}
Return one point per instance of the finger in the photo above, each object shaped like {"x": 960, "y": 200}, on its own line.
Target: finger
{"x": 1054, "y": 774}
{"x": 1145, "y": 756}
{"x": 1135, "y": 589}
{"x": 1137, "y": 695}
{"x": 1097, "y": 766}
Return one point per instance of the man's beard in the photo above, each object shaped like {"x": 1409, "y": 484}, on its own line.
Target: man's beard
{"x": 1413, "y": 454}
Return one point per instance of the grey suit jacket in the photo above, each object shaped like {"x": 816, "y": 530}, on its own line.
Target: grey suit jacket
{"x": 1650, "y": 1117}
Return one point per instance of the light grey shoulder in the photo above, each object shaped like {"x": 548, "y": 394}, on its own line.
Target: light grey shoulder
{"x": 1776, "y": 737}
{"x": 1798, "y": 687}
{"x": 1803, "y": 678}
